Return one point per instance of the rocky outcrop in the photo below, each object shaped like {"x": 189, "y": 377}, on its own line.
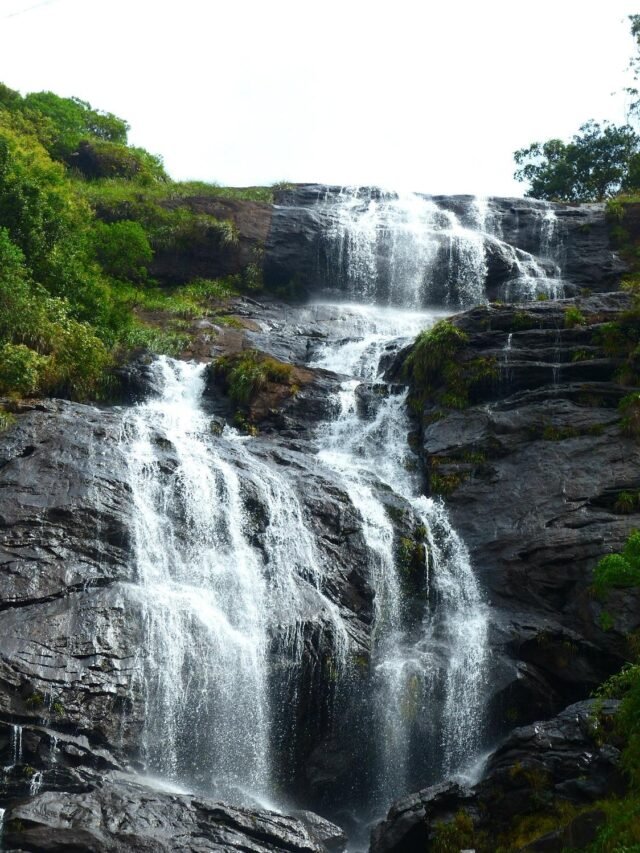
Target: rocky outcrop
{"x": 548, "y": 774}
{"x": 68, "y": 641}
{"x": 70, "y": 703}
{"x": 213, "y": 255}
{"x": 532, "y": 473}
{"x": 115, "y": 813}
{"x": 300, "y": 255}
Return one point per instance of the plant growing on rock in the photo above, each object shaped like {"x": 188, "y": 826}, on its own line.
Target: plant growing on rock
{"x": 573, "y": 316}
{"x": 619, "y": 570}
{"x": 437, "y": 371}
{"x": 629, "y": 408}
{"x": 247, "y": 373}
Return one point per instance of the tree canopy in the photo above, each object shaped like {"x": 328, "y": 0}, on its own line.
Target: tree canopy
{"x": 599, "y": 162}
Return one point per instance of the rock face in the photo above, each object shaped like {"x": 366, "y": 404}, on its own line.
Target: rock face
{"x": 570, "y": 760}
{"x": 533, "y": 471}
{"x": 311, "y": 236}
{"x": 116, "y": 814}
{"x": 72, "y": 634}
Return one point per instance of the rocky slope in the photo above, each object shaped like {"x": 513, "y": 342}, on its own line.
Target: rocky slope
{"x": 532, "y": 472}
{"x": 549, "y": 774}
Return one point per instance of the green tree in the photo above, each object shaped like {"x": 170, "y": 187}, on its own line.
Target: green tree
{"x": 122, "y": 249}
{"x": 600, "y": 161}
{"x": 73, "y": 120}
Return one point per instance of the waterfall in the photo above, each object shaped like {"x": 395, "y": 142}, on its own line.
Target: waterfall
{"x": 236, "y": 594}
{"x": 427, "y": 690}
{"x": 212, "y": 599}
{"x": 15, "y": 747}
{"x": 413, "y": 250}
{"x": 202, "y": 591}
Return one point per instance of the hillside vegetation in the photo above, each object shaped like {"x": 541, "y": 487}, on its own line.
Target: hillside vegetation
{"x": 82, "y": 214}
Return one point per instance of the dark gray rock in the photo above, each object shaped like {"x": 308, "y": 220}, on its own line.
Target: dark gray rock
{"x": 572, "y": 759}
{"x": 298, "y": 254}
{"x": 537, "y": 463}
{"x": 119, "y": 814}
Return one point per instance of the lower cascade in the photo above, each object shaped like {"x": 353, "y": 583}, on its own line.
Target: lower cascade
{"x": 231, "y": 576}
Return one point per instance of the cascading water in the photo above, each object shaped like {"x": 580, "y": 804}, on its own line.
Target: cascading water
{"x": 427, "y": 690}
{"x": 210, "y": 598}
{"x": 202, "y": 593}
{"x": 415, "y": 251}
{"x": 231, "y": 576}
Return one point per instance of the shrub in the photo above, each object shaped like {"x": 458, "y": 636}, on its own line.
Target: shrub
{"x": 100, "y": 159}
{"x": 122, "y": 249}
{"x": 435, "y": 368}
{"x": 454, "y": 835}
{"x": 247, "y": 373}
{"x": 573, "y": 316}
{"x": 619, "y": 570}
{"x": 627, "y": 502}
{"x": 432, "y": 350}
{"x": 21, "y": 369}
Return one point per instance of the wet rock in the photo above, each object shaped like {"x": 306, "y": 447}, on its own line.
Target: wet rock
{"x": 532, "y": 471}
{"x": 299, "y": 255}
{"x": 119, "y": 814}
{"x": 572, "y": 759}
{"x": 136, "y": 380}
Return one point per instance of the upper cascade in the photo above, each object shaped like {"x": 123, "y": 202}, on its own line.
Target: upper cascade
{"x": 414, "y": 250}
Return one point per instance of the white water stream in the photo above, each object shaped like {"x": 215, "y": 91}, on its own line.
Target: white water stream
{"x": 411, "y": 250}
{"x": 432, "y": 678}
{"x": 210, "y": 597}
{"x": 231, "y": 577}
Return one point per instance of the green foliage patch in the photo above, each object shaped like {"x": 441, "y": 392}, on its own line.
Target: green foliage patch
{"x": 82, "y": 217}
{"x": 437, "y": 372}
{"x": 247, "y": 373}
{"x": 619, "y": 570}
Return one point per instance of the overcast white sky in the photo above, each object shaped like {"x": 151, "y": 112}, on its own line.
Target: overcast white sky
{"x": 412, "y": 94}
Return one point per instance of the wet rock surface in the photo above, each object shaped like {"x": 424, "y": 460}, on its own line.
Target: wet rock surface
{"x": 538, "y": 462}
{"x": 299, "y": 256}
{"x": 532, "y": 472}
{"x": 571, "y": 759}
{"x": 71, "y": 708}
{"x": 116, "y": 813}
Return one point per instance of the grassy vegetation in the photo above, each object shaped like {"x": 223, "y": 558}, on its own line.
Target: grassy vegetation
{"x": 629, "y": 407}
{"x": 573, "y": 316}
{"x": 247, "y": 373}
{"x": 627, "y": 502}
{"x": 619, "y": 570}
{"x": 621, "y": 830}
{"x": 438, "y": 374}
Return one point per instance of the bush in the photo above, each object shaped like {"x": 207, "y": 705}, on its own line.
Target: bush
{"x": 247, "y": 373}
{"x": 122, "y": 249}
{"x": 619, "y": 570}
{"x": 573, "y": 316}
{"x": 99, "y": 159}
{"x": 435, "y": 368}
{"x": 21, "y": 369}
